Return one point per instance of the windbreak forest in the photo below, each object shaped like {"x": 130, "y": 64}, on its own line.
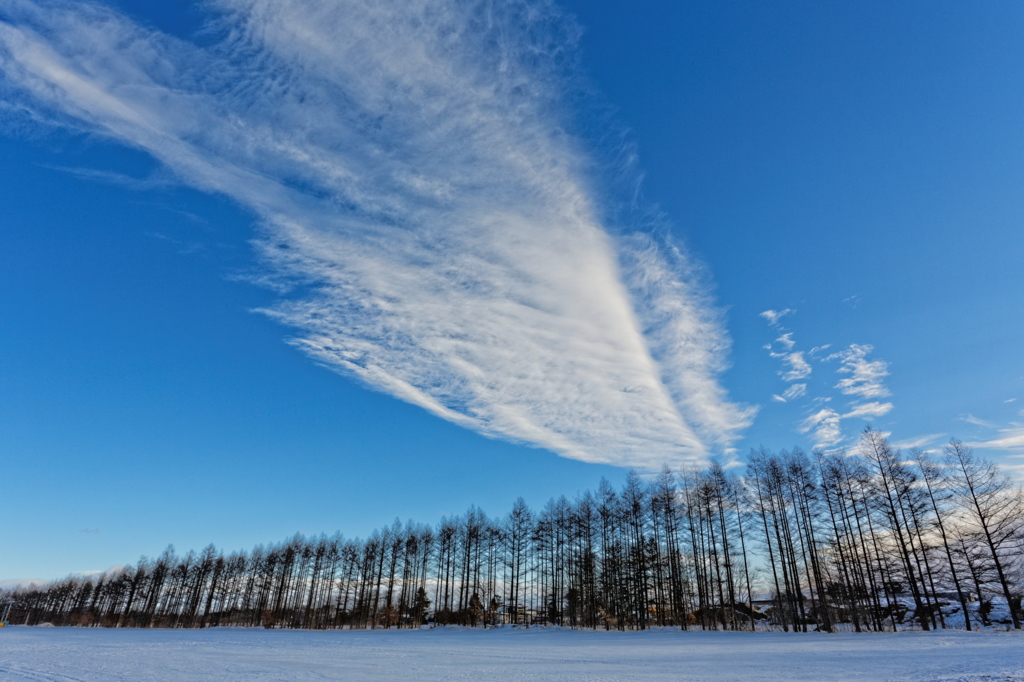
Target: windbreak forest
{"x": 872, "y": 539}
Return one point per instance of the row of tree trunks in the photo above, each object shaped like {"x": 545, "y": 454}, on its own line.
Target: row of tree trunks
{"x": 867, "y": 540}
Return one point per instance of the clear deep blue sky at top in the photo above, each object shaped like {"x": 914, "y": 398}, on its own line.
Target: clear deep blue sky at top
{"x": 859, "y": 164}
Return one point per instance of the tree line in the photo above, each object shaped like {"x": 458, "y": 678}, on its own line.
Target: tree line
{"x": 871, "y": 539}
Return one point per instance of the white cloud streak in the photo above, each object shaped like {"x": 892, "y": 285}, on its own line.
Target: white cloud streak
{"x": 868, "y": 410}
{"x": 861, "y": 378}
{"x": 919, "y": 441}
{"x": 971, "y": 419}
{"x": 799, "y": 368}
{"x": 824, "y": 427}
{"x": 792, "y": 393}
{"x": 1008, "y": 439}
{"x": 866, "y": 377}
{"x": 411, "y": 169}
{"x": 773, "y": 316}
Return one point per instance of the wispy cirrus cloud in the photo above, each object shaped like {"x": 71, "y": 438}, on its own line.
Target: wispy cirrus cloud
{"x": 1011, "y": 438}
{"x": 1007, "y": 441}
{"x": 773, "y": 316}
{"x": 824, "y": 428}
{"x": 919, "y": 441}
{"x": 421, "y": 193}
{"x": 865, "y": 378}
{"x": 792, "y": 393}
{"x": 799, "y": 368}
{"x": 861, "y": 379}
{"x": 113, "y": 178}
{"x": 868, "y": 410}
{"x": 976, "y": 421}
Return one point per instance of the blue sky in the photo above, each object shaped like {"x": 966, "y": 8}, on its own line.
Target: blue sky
{"x": 313, "y": 270}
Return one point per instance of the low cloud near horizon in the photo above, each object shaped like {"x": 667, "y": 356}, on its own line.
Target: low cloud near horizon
{"x": 432, "y": 224}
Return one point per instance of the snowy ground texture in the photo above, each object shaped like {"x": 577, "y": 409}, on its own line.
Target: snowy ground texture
{"x": 76, "y": 654}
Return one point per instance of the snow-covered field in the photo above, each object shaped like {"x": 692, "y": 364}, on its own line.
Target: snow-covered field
{"x": 66, "y": 654}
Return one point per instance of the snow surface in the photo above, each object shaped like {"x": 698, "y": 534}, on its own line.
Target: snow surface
{"x": 78, "y": 654}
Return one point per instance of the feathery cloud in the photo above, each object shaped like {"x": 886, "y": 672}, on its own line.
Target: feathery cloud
{"x": 919, "y": 441}
{"x": 861, "y": 378}
{"x": 1008, "y": 439}
{"x": 976, "y": 421}
{"x": 786, "y": 340}
{"x": 799, "y": 368}
{"x": 773, "y": 316}
{"x": 866, "y": 377}
{"x": 868, "y": 410}
{"x": 824, "y": 427}
{"x": 421, "y": 195}
{"x": 793, "y": 392}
